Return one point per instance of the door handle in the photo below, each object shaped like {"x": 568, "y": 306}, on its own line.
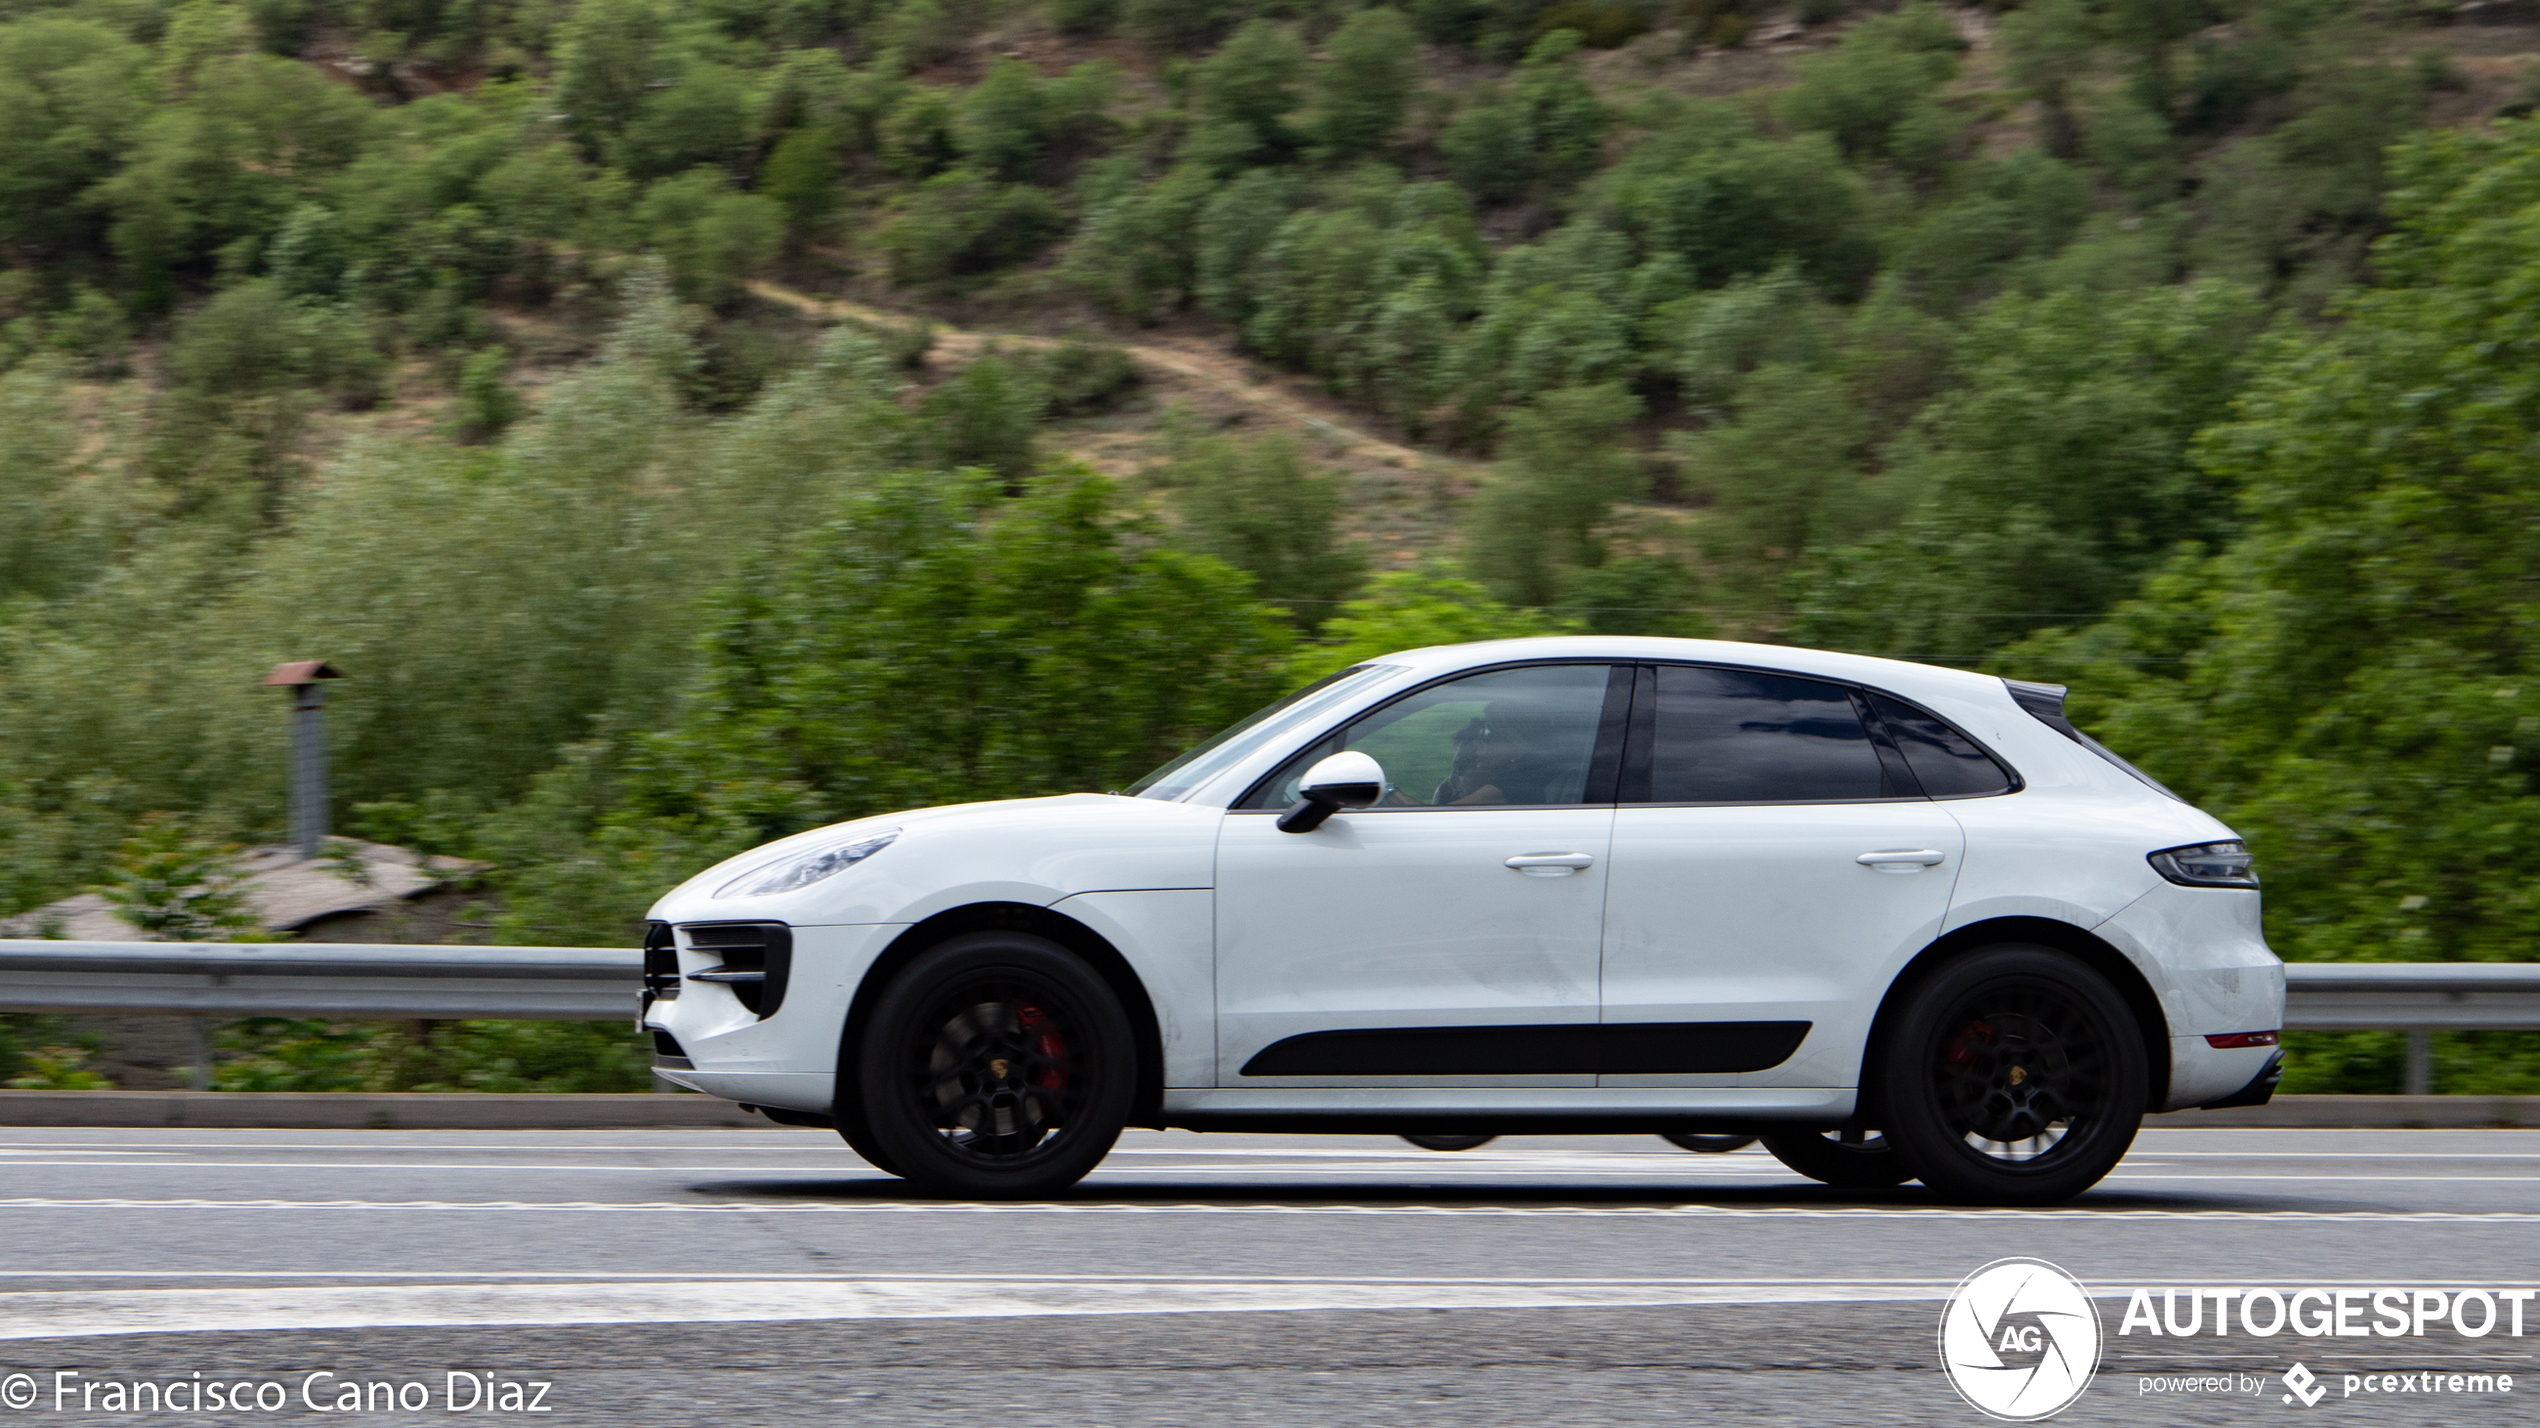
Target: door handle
{"x": 1903, "y": 860}
{"x": 1551, "y": 865}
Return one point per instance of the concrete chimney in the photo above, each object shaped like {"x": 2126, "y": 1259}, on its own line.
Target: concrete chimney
{"x": 308, "y": 749}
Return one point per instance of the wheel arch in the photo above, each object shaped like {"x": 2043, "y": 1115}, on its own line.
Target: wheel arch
{"x": 2091, "y": 950}
{"x": 1147, "y": 1104}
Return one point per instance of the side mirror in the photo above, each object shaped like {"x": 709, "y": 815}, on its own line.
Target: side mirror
{"x": 1345, "y": 780}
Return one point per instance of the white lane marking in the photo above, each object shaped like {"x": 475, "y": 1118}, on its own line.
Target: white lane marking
{"x": 1414, "y": 1170}
{"x": 12, "y": 1151}
{"x": 56, "y": 1315}
{"x": 496, "y": 1275}
{"x": 1690, "y": 1212}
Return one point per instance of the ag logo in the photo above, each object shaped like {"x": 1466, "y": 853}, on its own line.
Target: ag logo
{"x": 2019, "y": 1340}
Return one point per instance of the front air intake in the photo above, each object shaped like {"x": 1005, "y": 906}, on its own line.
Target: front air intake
{"x": 661, "y": 964}
{"x": 754, "y": 959}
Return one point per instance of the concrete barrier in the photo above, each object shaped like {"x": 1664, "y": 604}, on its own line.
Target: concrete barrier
{"x": 363, "y": 1110}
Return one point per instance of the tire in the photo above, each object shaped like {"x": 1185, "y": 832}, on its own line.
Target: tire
{"x": 2014, "y": 1076}
{"x": 1706, "y": 1144}
{"x": 1450, "y": 1142}
{"x": 996, "y": 1066}
{"x": 1848, "y": 1160}
{"x": 859, "y": 1138}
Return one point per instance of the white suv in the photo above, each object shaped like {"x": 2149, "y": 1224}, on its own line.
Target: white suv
{"x": 1901, "y": 922}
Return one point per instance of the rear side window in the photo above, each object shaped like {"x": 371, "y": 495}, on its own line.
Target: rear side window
{"x": 1948, "y": 764}
{"x": 1745, "y": 736}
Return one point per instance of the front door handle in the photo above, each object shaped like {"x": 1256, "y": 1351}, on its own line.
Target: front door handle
{"x": 1902, "y": 861}
{"x": 1551, "y": 865}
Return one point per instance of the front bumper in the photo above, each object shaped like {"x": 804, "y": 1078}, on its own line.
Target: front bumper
{"x": 718, "y": 1044}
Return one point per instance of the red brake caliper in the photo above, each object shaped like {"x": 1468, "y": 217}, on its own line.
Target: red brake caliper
{"x": 1043, "y": 1034}
{"x": 1962, "y": 1047}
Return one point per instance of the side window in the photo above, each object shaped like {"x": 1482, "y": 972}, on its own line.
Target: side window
{"x": 1509, "y": 736}
{"x": 1946, "y": 761}
{"x": 1745, "y": 736}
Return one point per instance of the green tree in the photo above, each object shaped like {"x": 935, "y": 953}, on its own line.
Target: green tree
{"x": 985, "y": 416}
{"x": 715, "y": 239}
{"x": 1371, "y": 70}
{"x": 1874, "y": 89}
{"x": 932, "y": 646}
{"x": 174, "y": 884}
{"x": 1564, "y": 463}
{"x": 73, "y": 94}
{"x": 1002, "y": 125}
{"x": 1782, "y": 474}
{"x": 1413, "y": 609}
{"x": 1258, "y": 507}
{"x": 2051, "y": 482}
{"x": 2351, "y": 681}
{"x": 1247, "y": 90}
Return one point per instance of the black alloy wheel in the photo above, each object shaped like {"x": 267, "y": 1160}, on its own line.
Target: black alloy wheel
{"x": 1702, "y": 1144}
{"x": 2016, "y": 1076}
{"x": 996, "y": 1066}
{"x": 1450, "y": 1142}
{"x": 1849, "y": 1159}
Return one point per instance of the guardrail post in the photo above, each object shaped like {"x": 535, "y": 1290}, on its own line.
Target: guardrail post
{"x": 2420, "y": 1073}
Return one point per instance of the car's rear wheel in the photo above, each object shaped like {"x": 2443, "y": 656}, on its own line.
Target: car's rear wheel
{"x": 1450, "y": 1142}
{"x": 1851, "y": 1159}
{"x": 2014, "y": 1076}
{"x": 996, "y": 1066}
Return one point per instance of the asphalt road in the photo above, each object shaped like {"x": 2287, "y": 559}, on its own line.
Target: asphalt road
{"x": 747, "y": 1277}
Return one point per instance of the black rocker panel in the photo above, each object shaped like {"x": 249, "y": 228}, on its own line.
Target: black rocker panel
{"x": 1647, "y": 1048}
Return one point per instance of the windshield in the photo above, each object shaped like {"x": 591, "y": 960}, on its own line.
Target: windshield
{"x": 1238, "y": 741}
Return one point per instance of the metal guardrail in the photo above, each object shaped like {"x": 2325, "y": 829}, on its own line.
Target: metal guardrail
{"x": 598, "y": 984}
{"x": 210, "y": 979}
{"x": 2412, "y": 996}
{"x": 342, "y": 979}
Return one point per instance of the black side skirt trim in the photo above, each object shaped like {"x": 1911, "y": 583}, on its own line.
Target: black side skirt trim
{"x": 1659, "y": 1048}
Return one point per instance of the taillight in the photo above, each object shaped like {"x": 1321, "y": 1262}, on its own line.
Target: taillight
{"x": 2208, "y": 865}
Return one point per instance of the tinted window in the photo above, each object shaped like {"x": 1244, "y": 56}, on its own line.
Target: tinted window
{"x": 1515, "y": 736}
{"x": 1741, "y": 736}
{"x": 1946, "y": 761}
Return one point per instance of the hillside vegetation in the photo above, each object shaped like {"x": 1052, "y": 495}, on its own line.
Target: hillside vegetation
{"x": 692, "y": 423}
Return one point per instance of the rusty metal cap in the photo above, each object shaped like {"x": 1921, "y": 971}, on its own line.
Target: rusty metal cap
{"x": 303, "y": 671}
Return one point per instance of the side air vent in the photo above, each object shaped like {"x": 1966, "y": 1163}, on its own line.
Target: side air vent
{"x": 754, "y": 959}
{"x": 661, "y": 964}
{"x": 668, "y": 1052}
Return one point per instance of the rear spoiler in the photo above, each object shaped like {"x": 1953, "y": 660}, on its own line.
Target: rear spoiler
{"x": 2045, "y": 703}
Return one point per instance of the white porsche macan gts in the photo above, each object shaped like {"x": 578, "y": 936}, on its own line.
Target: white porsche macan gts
{"x": 1900, "y": 922}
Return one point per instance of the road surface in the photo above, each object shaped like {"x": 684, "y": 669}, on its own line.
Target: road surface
{"x": 768, "y": 1277}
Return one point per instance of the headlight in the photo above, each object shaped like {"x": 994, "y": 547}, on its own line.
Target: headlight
{"x": 803, "y": 869}
{"x": 2208, "y": 865}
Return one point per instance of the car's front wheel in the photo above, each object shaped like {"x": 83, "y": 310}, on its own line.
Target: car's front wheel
{"x": 996, "y": 1066}
{"x": 1702, "y": 1144}
{"x": 1845, "y": 1159}
{"x": 2014, "y": 1076}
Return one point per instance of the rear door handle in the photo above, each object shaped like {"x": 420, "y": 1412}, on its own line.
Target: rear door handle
{"x": 1902, "y": 860}
{"x": 1551, "y": 865}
